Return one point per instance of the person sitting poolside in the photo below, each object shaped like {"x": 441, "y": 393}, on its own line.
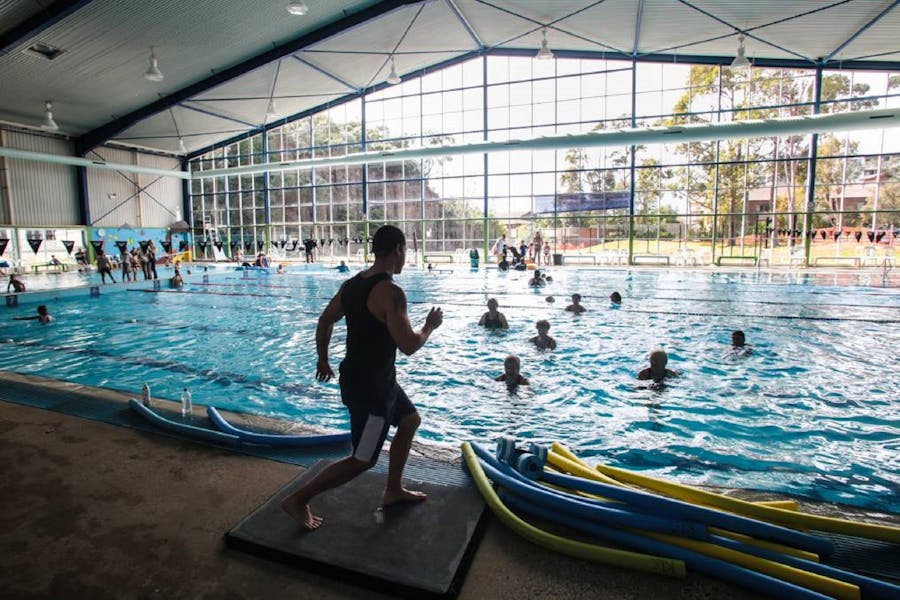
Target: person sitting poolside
{"x": 342, "y": 268}
{"x": 15, "y": 283}
{"x": 542, "y": 340}
{"x": 262, "y": 261}
{"x": 511, "y": 373}
{"x": 537, "y": 279}
{"x": 493, "y": 319}
{"x": 657, "y": 370}
{"x": 576, "y": 306}
{"x": 55, "y": 261}
{"x": 615, "y": 299}
{"x": 739, "y": 343}
{"x": 43, "y": 315}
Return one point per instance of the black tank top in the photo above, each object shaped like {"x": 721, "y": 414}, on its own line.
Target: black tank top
{"x": 371, "y": 350}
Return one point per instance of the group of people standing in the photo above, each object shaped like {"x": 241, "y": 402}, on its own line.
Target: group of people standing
{"x": 143, "y": 258}
{"x": 523, "y": 253}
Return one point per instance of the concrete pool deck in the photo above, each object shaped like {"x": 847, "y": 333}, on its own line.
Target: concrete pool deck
{"x": 92, "y": 510}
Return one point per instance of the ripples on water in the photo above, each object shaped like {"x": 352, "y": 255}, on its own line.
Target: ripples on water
{"x": 813, "y": 411}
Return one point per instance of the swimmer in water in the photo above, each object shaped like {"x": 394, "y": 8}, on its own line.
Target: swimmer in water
{"x": 739, "y": 345}
{"x": 511, "y": 373}
{"x": 657, "y": 370}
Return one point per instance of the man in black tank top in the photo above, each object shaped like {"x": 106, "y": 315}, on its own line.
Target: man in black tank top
{"x": 377, "y": 325}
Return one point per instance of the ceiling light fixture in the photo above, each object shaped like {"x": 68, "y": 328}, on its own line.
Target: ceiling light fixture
{"x": 153, "y": 73}
{"x": 393, "y": 78}
{"x": 49, "y": 124}
{"x": 740, "y": 61}
{"x": 297, "y": 8}
{"x": 181, "y": 147}
{"x": 544, "y": 53}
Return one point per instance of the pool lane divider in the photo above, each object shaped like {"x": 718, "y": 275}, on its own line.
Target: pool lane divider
{"x": 600, "y": 554}
{"x": 789, "y": 518}
{"x": 272, "y": 439}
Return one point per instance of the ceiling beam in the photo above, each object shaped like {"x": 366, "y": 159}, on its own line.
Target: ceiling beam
{"x": 206, "y": 111}
{"x": 326, "y": 73}
{"x": 38, "y": 22}
{"x": 97, "y": 136}
{"x": 861, "y": 31}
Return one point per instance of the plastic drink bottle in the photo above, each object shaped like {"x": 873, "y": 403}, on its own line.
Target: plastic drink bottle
{"x": 186, "y": 407}
{"x": 145, "y": 395}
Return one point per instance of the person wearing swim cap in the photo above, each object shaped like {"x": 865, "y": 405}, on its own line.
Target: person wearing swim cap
{"x": 377, "y": 325}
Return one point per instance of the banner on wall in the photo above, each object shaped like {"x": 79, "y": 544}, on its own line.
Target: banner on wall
{"x": 579, "y": 201}
{"x": 35, "y": 244}
{"x": 69, "y": 244}
{"x": 167, "y": 246}
{"x": 3, "y": 243}
{"x": 122, "y": 246}
{"x": 144, "y": 245}
{"x": 97, "y": 245}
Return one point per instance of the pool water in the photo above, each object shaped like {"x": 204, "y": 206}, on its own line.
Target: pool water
{"x": 813, "y": 411}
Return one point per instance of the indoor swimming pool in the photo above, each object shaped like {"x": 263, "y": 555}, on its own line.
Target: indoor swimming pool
{"x": 812, "y": 412}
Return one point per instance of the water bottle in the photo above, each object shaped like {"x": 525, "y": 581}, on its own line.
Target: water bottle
{"x": 145, "y": 395}
{"x": 186, "y": 407}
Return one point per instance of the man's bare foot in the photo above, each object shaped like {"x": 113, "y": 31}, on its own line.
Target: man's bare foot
{"x": 402, "y": 495}
{"x": 302, "y": 514}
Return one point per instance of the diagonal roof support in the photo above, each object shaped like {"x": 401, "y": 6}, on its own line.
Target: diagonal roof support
{"x": 465, "y": 23}
{"x": 745, "y": 32}
{"x": 861, "y": 30}
{"x": 97, "y": 136}
{"x": 210, "y": 113}
{"x": 326, "y": 73}
{"x": 637, "y": 27}
{"x": 35, "y": 24}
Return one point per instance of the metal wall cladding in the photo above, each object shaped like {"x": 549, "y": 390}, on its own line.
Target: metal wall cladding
{"x": 41, "y": 194}
{"x": 138, "y": 199}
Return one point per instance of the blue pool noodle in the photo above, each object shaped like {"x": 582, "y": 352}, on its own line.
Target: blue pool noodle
{"x": 741, "y": 576}
{"x": 272, "y": 439}
{"x": 208, "y": 435}
{"x": 672, "y": 508}
{"x": 619, "y": 516}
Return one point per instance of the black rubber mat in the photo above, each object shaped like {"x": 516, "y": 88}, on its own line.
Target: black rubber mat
{"x": 874, "y": 558}
{"x": 413, "y": 550}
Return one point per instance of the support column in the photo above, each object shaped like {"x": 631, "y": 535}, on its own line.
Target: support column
{"x": 632, "y": 174}
{"x": 811, "y": 171}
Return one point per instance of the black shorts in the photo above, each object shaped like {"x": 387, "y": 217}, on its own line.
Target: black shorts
{"x": 368, "y": 429}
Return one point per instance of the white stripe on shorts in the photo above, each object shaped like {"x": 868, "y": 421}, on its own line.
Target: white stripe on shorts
{"x": 371, "y": 436}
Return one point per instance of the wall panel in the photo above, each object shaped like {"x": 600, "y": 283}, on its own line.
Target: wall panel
{"x": 41, "y": 194}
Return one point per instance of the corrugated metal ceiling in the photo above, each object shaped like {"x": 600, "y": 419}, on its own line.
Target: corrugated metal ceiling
{"x": 99, "y": 78}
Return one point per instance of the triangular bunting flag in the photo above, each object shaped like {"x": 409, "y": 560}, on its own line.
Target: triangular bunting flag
{"x": 247, "y": 246}
{"x": 259, "y": 246}
{"x": 218, "y": 245}
{"x": 182, "y": 246}
{"x": 97, "y": 245}
{"x": 235, "y": 244}
{"x": 144, "y": 245}
{"x": 3, "y": 243}
{"x": 35, "y": 244}
{"x": 69, "y": 244}
{"x": 202, "y": 245}
{"x": 122, "y": 245}
{"x": 167, "y": 246}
